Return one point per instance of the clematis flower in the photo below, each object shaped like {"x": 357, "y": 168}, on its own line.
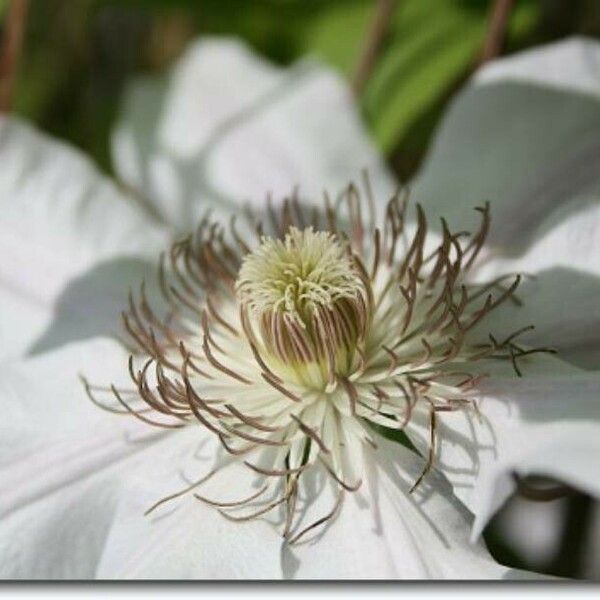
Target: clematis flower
{"x": 345, "y": 389}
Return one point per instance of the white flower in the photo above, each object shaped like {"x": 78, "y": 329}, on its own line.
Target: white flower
{"x": 77, "y": 481}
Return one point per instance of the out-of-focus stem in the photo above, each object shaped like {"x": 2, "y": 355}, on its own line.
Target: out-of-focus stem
{"x": 372, "y": 43}
{"x": 570, "y": 559}
{"x": 496, "y": 30}
{"x": 10, "y": 50}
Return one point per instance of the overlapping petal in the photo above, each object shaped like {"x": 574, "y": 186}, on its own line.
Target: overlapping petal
{"x": 524, "y": 136}
{"x": 77, "y": 482}
{"x": 61, "y": 218}
{"x": 60, "y": 459}
{"x": 229, "y": 127}
{"x": 545, "y": 423}
{"x": 68, "y": 469}
{"x": 386, "y": 532}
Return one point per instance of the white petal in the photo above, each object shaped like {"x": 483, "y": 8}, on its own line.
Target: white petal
{"x": 76, "y": 483}
{"x": 229, "y": 127}
{"x": 562, "y": 299}
{"x": 187, "y": 539}
{"x": 44, "y": 395}
{"x": 61, "y": 502}
{"x": 570, "y": 65}
{"x": 61, "y": 459}
{"x": 545, "y": 423}
{"x": 563, "y": 306}
{"x": 379, "y": 533}
{"x": 523, "y": 135}
{"x": 383, "y": 532}
{"x": 72, "y": 501}
{"x": 60, "y": 217}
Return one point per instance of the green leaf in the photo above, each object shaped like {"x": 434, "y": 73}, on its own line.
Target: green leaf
{"x": 335, "y": 34}
{"x": 431, "y": 46}
{"x": 394, "y": 435}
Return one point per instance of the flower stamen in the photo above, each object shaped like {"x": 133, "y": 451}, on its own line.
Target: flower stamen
{"x": 294, "y": 355}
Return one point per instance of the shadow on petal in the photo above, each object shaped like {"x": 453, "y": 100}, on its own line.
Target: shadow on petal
{"x": 91, "y": 304}
{"x": 563, "y": 305}
{"x": 495, "y": 144}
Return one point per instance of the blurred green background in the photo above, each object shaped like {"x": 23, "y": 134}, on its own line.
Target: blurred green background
{"x": 78, "y": 54}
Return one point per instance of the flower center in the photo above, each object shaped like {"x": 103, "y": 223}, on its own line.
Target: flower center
{"x": 310, "y": 300}
{"x": 296, "y": 356}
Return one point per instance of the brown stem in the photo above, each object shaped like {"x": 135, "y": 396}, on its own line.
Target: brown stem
{"x": 496, "y": 31}
{"x": 10, "y": 50}
{"x": 372, "y": 44}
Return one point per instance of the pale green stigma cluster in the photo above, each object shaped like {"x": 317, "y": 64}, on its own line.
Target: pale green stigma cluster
{"x": 294, "y": 276}
{"x": 310, "y": 302}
